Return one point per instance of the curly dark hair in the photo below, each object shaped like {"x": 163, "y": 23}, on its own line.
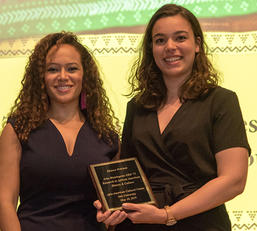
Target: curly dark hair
{"x": 31, "y": 106}
{"x": 145, "y": 78}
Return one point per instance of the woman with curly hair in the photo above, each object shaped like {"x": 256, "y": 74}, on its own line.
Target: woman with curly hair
{"x": 61, "y": 122}
{"x": 186, "y": 131}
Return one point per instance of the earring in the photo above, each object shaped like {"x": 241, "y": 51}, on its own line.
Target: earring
{"x": 83, "y": 104}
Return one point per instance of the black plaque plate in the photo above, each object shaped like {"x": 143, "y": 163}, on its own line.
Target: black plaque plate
{"x": 121, "y": 181}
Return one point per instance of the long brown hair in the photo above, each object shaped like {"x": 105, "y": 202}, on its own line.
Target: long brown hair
{"x": 146, "y": 78}
{"x": 31, "y": 106}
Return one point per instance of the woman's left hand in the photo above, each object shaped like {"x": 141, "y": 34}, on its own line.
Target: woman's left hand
{"x": 108, "y": 217}
{"x": 144, "y": 213}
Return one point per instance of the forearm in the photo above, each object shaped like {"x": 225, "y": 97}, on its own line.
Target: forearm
{"x": 231, "y": 177}
{"x": 8, "y": 218}
{"x": 210, "y": 195}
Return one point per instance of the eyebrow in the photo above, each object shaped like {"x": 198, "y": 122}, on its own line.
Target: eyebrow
{"x": 177, "y": 32}
{"x": 52, "y": 63}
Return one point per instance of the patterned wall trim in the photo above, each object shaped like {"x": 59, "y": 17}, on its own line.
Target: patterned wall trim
{"x": 127, "y": 44}
{"x": 243, "y": 220}
{"x": 25, "y": 18}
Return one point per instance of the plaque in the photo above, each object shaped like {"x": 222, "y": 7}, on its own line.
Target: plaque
{"x": 121, "y": 181}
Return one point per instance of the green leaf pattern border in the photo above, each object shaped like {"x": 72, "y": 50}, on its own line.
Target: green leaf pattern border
{"x": 26, "y": 18}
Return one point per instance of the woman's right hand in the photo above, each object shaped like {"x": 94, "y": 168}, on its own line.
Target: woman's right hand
{"x": 108, "y": 217}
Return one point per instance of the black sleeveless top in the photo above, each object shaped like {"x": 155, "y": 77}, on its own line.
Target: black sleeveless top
{"x": 56, "y": 191}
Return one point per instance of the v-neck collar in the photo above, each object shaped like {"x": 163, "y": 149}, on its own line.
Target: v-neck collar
{"x": 171, "y": 122}
{"x": 62, "y": 139}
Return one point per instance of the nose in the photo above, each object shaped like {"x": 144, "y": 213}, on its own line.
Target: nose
{"x": 63, "y": 74}
{"x": 170, "y": 45}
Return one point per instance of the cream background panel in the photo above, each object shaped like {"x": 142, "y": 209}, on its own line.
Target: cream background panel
{"x": 11, "y": 73}
{"x": 239, "y": 74}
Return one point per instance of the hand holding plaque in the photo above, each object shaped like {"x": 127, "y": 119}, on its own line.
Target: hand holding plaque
{"x": 121, "y": 181}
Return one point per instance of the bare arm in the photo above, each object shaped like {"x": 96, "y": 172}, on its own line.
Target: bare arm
{"x": 232, "y": 165}
{"x": 10, "y": 154}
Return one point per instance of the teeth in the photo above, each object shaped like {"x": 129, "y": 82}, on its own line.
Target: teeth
{"x": 63, "y": 87}
{"x": 173, "y": 59}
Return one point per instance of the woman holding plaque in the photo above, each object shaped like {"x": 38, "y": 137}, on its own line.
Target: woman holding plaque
{"x": 61, "y": 122}
{"x": 186, "y": 131}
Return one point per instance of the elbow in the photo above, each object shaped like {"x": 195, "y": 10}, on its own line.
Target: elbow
{"x": 238, "y": 191}
{"x": 241, "y": 188}
{"x": 238, "y": 187}
{"x": 8, "y": 204}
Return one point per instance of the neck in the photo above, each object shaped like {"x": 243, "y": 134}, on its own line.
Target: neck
{"x": 65, "y": 113}
{"x": 173, "y": 86}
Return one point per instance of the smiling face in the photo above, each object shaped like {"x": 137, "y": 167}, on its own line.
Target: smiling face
{"x": 174, "y": 46}
{"x": 64, "y": 75}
